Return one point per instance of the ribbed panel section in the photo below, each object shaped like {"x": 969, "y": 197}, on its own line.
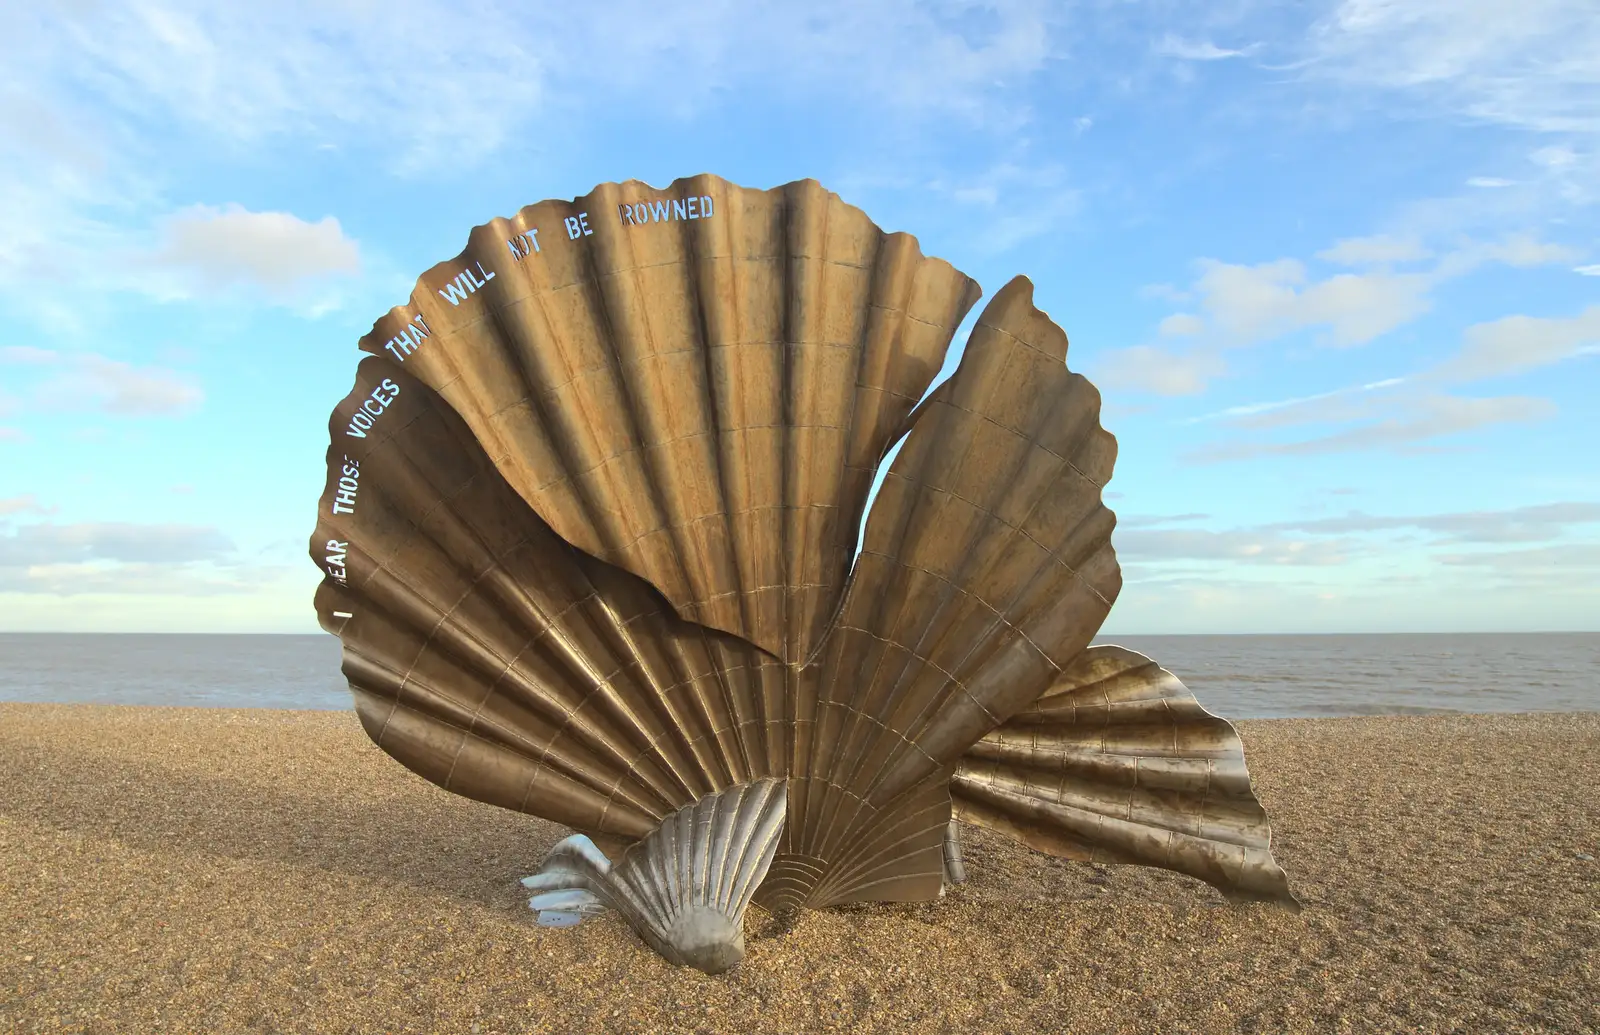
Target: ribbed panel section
{"x": 700, "y": 401}
{"x": 502, "y": 663}
{"x": 713, "y": 853}
{"x": 986, "y": 566}
{"x": 1118, "y": 763}
{"x": 588, "y": 529}
{"x": 686, "y": 886}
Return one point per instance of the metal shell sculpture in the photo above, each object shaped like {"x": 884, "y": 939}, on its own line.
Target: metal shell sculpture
{"x": 590, "y": 536}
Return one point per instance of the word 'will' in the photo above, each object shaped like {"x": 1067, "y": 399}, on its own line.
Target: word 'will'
{"x": 408, "y": 340}
{"x": 371, "y": 407}
{"x": 466, "y": 283}
{"x": 641, "y": 212}
{"x": 344, "y": 497}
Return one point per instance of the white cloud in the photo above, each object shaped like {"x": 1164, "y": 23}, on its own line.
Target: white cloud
{"x": 1588, "y": 271}
{"x": 1405, "y": 424}
{"x": 1194, "y": 50}
{"x": 124, "y": 390}
{"x": 1022, "y": 202}
{"x": 1489, "y": 182}
{"x": 1247, "y": 304}
{"x": 1180, "y": 324}
{"x": 1555, "y": 562}
{"x": 1523, "y": 251}
{"x": 1252, "y": 303}
{"x": 76, "y": 381}
{"x": 1533, "y": 64}
{"x": 1558, "y": 191}
{"x": 1247, "y": 546}
{"x": 1377, "y": 250}
{"x": 1297, "y": 410}
{"x": 274, "y": 250}
{"x": 1148, "y": 520}
{"x": 1165, "y": 292}
{"x": 28, "y": 355}
{"x": 1277, "y": 576}
{"x": 1534, "y": 523}
{"x": 103, "y": 103}
{"x": 1162, "y": 554}
{"x": 46, "y": 544}
{"x": 125, "y": 558}
{"x": 451, "y": 81}
{"x": 1517, "y": 343}
{"x": 1519, "y": 250}
{"x": 141, "y": 580}
{"x": 1148, "y": 369}
{"x": 1556, "y": 157}
{"x": 28, "y": 504}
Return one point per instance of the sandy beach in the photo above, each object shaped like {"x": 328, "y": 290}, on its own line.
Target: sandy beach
{"x": 197, "y": 870}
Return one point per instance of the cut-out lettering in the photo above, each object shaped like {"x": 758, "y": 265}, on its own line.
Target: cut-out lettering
{"x": 344, "y": 497}
{"x": 465, "y": 283}
{"x": 639, "y": 213}
{"x": 371, "y": 407}
{"x": 524, "y": 244}
{"x": 577, "y": 226}
{"x": 408, "y": 340}
{"x": 335, "y": 560}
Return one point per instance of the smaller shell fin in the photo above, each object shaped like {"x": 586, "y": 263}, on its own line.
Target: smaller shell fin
{"x": 1117, "y": 762}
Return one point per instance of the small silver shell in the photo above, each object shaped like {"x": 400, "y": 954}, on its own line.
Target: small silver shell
{"x": 685, "y": 887}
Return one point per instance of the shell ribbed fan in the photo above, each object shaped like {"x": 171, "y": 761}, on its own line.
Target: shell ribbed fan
{"x": 686, "y": 886}
{"x": 589, "y": 536}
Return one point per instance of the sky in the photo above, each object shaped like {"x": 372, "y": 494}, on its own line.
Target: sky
{"x": 1334, "y": 264}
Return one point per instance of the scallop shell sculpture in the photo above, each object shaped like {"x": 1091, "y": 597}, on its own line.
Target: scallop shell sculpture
{"x": 589, "y": 537}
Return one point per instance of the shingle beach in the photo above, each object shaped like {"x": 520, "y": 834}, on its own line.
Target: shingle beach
{"x": 212, "y": 871}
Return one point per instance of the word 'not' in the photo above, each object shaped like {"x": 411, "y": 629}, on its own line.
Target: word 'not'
{"x": 524, "y": 244}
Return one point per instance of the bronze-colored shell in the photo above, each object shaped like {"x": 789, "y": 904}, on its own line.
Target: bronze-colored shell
{"x": 1117, "y": 762}
{"x": 701, "y": 401}
{"x": 592, "y": 508}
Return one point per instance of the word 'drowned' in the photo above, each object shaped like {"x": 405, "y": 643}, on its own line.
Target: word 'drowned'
{"x": 641, "y": 212}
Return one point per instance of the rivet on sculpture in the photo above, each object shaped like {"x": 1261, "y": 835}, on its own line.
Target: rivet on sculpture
{"x": 589, "y": 537}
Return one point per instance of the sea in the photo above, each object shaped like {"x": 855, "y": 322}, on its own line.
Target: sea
{"x": 1237, "y": 677}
